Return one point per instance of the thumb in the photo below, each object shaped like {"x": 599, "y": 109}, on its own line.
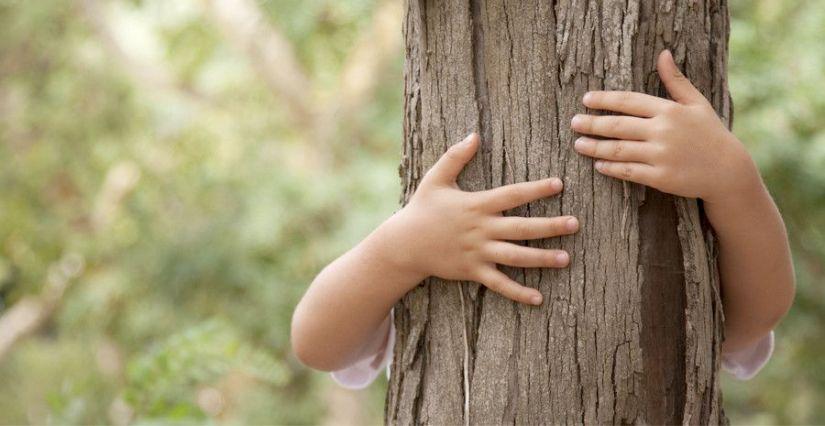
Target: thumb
{"x": 450, "y": 165}
{"x": 678, "y": 86}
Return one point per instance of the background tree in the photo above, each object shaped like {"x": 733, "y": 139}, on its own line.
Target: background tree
{"x": 631, "y": 332}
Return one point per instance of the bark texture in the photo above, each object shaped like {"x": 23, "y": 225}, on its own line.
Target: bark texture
{"x": 631, "y": 331}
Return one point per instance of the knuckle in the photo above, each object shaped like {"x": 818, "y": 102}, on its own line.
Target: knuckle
{"x": 598, "y": 149}
{"x": 489, "y": 252}
{"x": 658, "y": 152}
{"x": 612, "y": 124}
{"x": 660, "y": 174}
{"x": 671, "y": 109}
{"x": 554, "y": 226}
{"x": 511, "y": 256}
{"x": 585, "y": 123}
{"x": 623, "y": 99}
{"x": 662, "y": 128}
{"x": 596, "y": 124}
{"x": 474, "y": 205}
{"x": 534, "y": 256}
{"x": 495, "y": 253}
{"x": 618, "y": 147}
{"x": 627, "y": 171}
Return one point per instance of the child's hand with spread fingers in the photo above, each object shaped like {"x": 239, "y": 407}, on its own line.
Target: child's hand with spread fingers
{"x": 457, "y": 235}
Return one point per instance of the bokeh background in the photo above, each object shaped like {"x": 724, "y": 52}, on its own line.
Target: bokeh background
{"x": 174, "y": 173}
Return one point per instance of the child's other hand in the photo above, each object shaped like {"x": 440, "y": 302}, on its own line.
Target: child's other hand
{"x": 679, "y": 147}
{"x": 458, "y": 235}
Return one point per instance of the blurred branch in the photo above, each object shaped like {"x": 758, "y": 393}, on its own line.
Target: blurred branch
{"x": 120, "y": 180}
{"x": 272, "y": 56}
{"x": 375, "y": 46}
{"x": 359, "y": 78}
{"x": 269, "y": 52}
{"x": 152, "y": 76}
{"x": 31, "y": 312}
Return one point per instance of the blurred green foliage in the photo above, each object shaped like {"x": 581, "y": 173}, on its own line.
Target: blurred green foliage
{"x": 150, "y": 163}
{"x": 200, "y": 219}
{"x": 777, "y": 78}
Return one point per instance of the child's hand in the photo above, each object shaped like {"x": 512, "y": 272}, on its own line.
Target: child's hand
{"x": 458, "y": 235}
{"x": 677, "y": 147}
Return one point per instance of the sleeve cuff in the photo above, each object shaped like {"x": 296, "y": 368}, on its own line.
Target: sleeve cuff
{"x": 363, "y": 372}
{"x": 745, "y": 363}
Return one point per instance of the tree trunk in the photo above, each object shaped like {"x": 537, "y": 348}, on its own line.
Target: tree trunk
{"x": 631, "y": 331}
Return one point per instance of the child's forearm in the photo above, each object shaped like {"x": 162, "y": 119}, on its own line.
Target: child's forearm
{"x": 343, "y": 314}
{"x": 754, "y": 263}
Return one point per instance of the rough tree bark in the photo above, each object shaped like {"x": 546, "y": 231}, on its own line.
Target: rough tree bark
{"x": 631, "y": 331}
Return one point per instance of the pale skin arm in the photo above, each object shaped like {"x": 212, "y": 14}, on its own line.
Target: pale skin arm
{"x": 681, "y": 147}
{"x": 444, "y": 232}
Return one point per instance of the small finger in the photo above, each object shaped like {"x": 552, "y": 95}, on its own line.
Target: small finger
{"x": 633, "y": 172}
{"x": 611, "y": 126}
{"x": 500, "y": 283}
{"x": 511, "y": 196}
{"x": 614, "y": 150}
{"x": 529, "y": 228}
{"x": 510, "y": 254}
{"x": 631, "y": 103}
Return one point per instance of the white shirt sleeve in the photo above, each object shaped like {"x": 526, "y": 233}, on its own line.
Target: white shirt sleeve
{"x": 745, "y": 363}
{"x": 364, "y": 371}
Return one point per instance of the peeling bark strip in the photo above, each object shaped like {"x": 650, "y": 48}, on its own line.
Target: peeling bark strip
{"x": 631, "y": 331}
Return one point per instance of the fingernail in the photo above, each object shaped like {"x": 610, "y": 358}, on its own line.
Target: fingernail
{"x": 586, "y": 97}
{"x": 467, "y": 140}
{"x": 576, "y": 120}
{"x": 556, "y": 184}
{"x": 563, "y": 258}
{"x": 572, "y": 224}
{"x": 599, "y": 165}
{"x": 536, "y": 299}
{"x": 578, "y": 143}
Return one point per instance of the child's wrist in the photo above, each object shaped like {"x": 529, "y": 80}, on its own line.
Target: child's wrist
{"x": 743, "y": 180}
{"x": 389, "y": 245}
{"x": 744, "y": 190}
